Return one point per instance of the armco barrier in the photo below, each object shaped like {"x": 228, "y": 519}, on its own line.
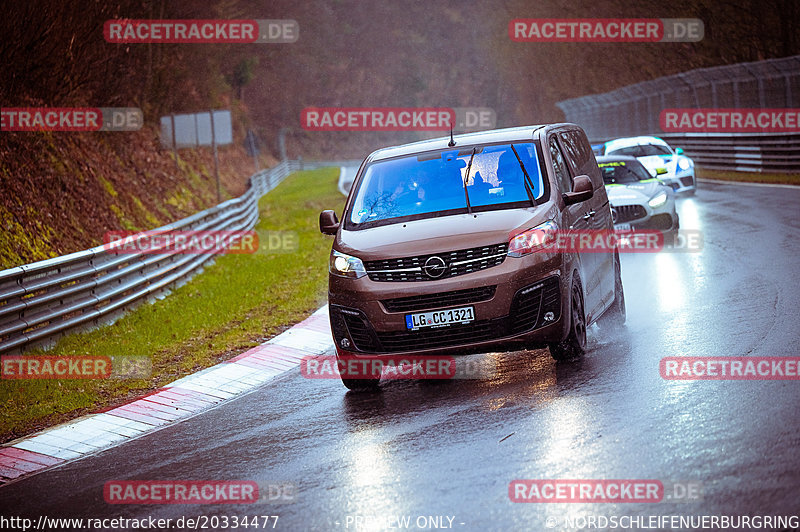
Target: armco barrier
{"x": 635, "y": 110}
{"x": 741, "y": 152}
{"x": 41, "y": 301}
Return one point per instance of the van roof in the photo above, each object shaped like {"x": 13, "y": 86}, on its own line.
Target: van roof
{"x": 520, "y": 133}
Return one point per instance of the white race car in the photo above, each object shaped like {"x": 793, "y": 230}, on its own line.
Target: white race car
{"x": 672, "y": 167}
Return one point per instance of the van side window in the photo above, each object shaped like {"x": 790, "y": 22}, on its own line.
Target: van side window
{"x": 562, "y": 175}
{"x": 572, "y": 151}
{"x": 579, "y": 155}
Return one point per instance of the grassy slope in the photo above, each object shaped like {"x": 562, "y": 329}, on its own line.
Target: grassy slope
{"x": 235, "y": 304}
{"x": 60, "y": 192}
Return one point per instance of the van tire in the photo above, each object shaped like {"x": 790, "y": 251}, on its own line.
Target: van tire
{"x": 574, "y": 345}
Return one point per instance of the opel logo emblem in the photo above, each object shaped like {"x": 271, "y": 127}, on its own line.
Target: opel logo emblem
{"x": 434, "y": 267}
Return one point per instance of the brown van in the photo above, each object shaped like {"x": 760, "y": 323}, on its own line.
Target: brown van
{"x": 438, "y": 250}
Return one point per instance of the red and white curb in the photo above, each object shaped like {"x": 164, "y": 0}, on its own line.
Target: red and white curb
{"x": 176, "y": 401}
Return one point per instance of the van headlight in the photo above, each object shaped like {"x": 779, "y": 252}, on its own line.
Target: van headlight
{"x": 540, "y": 237}
{"x": 658, "y": 200}
{"x": 346, "y": 265}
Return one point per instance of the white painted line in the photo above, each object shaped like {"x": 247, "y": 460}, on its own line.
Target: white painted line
{"x": 230, "y": 372}
{"x": 122, "y": 414}
{"x": 266, "y": 372}
{"x": 234, "y": 387}
{"x": 66, "y": 433}
{"x": 53, "y": 440}
{"x": 189, "y": 378}
{"x": 82, "y": 448}
{"x": 49, "y": 450}
{"x": 96, "y": 441}
{"x": 128, "y": 432}
{"x": 208, "y": 391}
{"x": 90, "y": 425}
{"x": 305, "y": 340}
{"x": 256, "y": 380}
{"x": 210, "y": 382}
{"x": 122, "y": 422}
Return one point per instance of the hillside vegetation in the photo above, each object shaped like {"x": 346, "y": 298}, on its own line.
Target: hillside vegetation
{"x": 59, "y": 192}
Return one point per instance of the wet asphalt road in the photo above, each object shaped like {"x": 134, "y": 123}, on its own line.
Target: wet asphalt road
{"x": 435, "y": 449}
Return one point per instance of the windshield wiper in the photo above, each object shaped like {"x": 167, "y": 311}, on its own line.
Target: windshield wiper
{"x": 466, "y": 178}
{"x": 528, "y": 181}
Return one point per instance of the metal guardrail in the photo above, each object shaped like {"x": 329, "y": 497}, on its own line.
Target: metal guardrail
{"x": 742, "y": 152}
{"x": 39, "y": 302}
{"x": 635, "y": 110}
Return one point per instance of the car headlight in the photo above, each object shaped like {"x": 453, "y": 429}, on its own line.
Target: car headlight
{"x": 532, "y": 239}
{"x": 346, "y": 265}
{"x": 684, "y": 163}
{"x": 658, "y": 200}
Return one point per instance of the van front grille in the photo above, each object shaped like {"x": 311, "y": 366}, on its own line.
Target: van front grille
{"x": 424, "y": 267}
{"x": 439, "y": 300}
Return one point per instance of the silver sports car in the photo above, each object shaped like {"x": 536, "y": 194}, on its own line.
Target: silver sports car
{"x": 638, "y": 201}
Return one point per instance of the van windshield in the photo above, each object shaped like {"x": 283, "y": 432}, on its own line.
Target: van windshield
{"x": 432, "y": 184}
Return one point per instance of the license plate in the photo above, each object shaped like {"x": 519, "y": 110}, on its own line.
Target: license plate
{"x": 439, "y": 318}
{"x": 622, "y": 227}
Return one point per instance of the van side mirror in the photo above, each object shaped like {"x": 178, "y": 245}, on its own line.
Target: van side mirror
{"x": 581, "y": 190}
{"x": 328, "y": 222}
{"x": 679, "y": 151}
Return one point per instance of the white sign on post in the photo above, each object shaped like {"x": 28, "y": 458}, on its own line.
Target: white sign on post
{"x": 195, "y": 130}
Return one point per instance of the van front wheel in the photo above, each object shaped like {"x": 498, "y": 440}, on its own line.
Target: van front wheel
{"x": 575, "y": 343}
{"x": 363, "y": 381}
